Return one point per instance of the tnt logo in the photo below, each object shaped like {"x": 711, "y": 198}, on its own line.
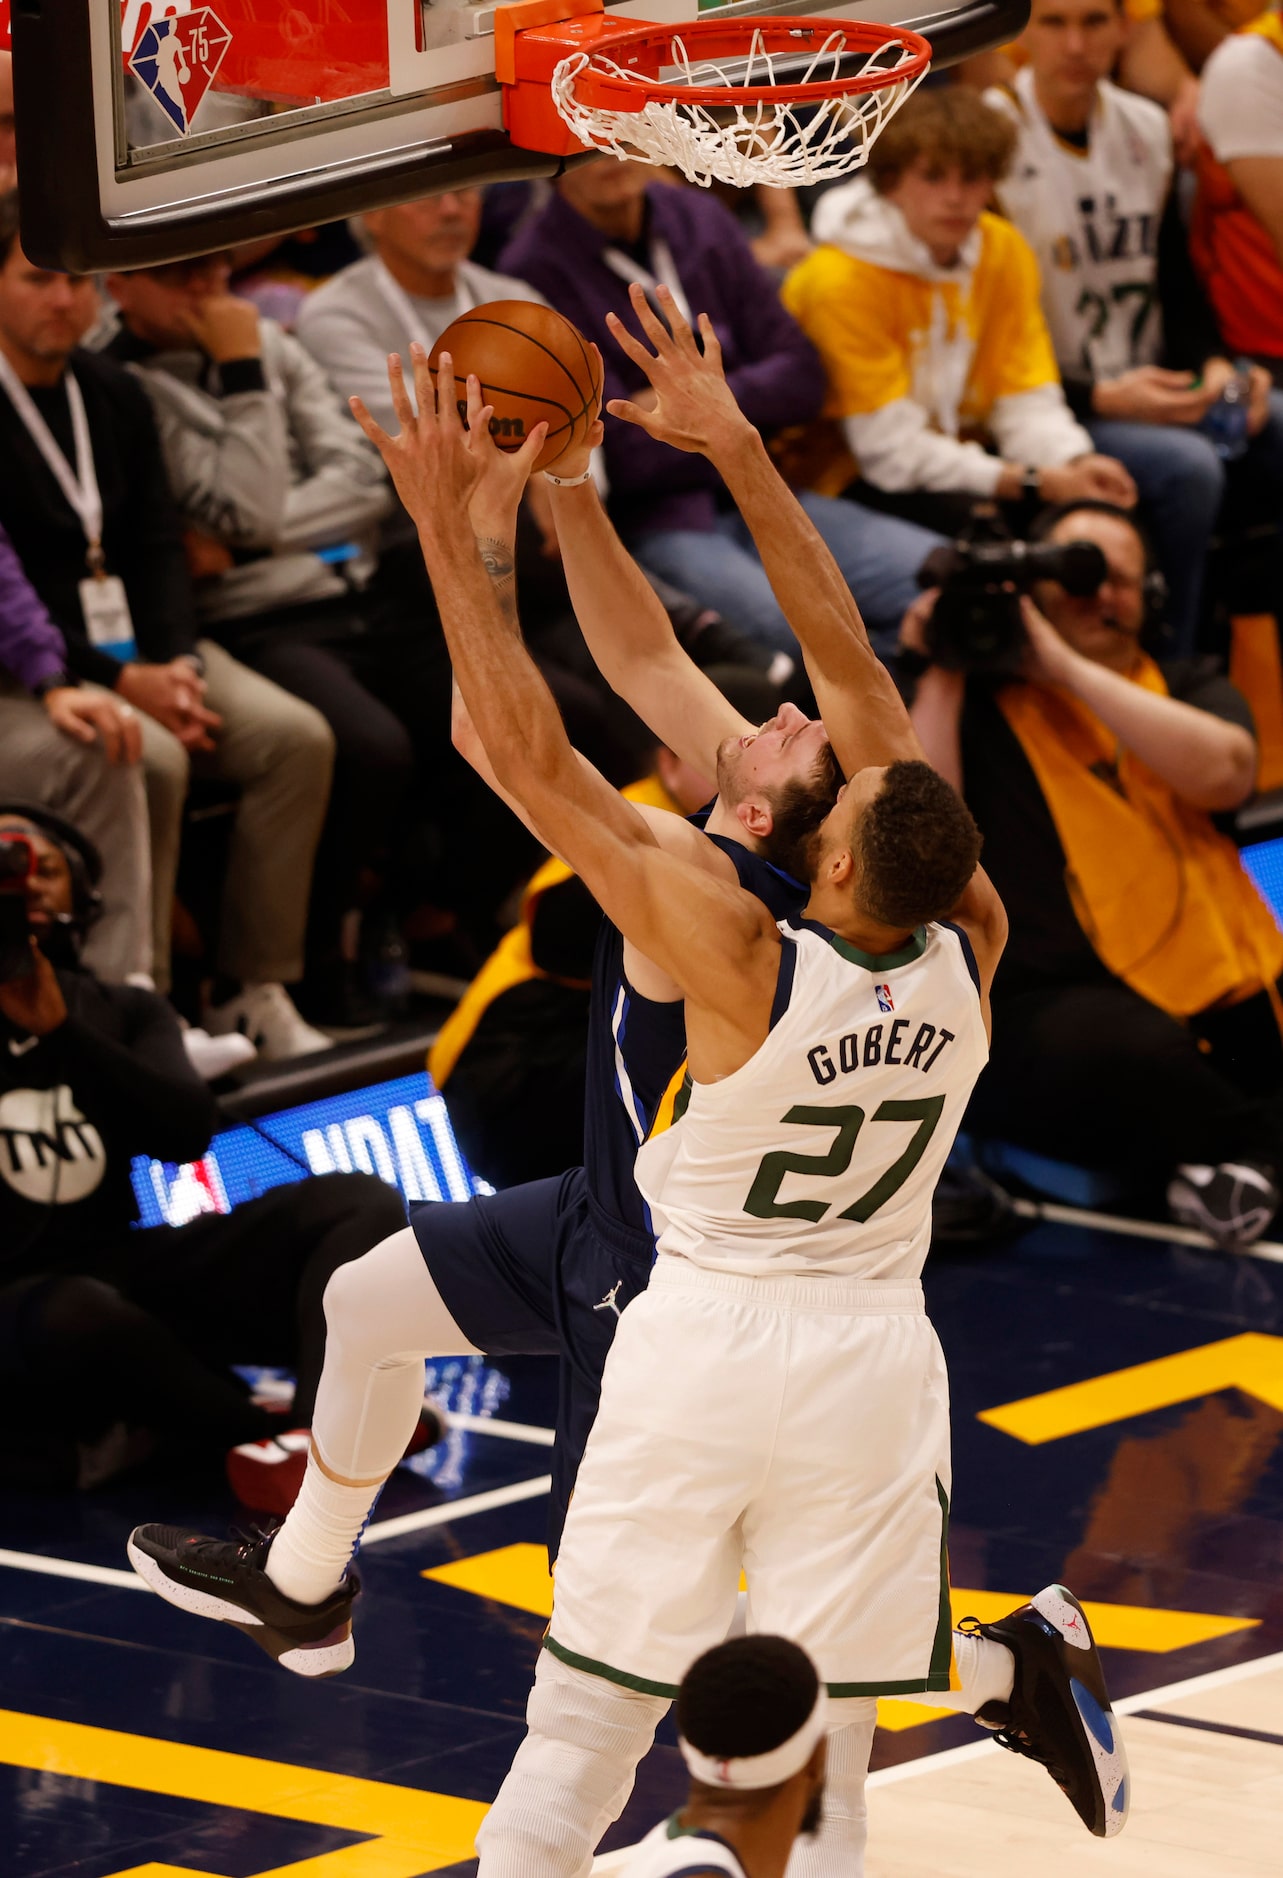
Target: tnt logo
{"x": 177, "y": 61}
{"x": 184, "y": 1193}
{"x": 885, "y": 1000}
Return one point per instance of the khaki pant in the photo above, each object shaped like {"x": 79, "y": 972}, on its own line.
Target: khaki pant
{"x": 38, "y": 764}
{"x": 280, "y": 752}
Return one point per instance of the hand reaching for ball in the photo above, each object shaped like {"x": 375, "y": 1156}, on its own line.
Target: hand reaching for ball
{"x": 438, "y": 467}
{"x": 690, "y": 404}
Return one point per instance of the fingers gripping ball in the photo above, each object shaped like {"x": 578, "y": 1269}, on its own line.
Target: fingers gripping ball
{"x": 534, "y": 367}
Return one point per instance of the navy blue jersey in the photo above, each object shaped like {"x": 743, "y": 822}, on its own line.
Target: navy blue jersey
{"x": 637, "y": 1050}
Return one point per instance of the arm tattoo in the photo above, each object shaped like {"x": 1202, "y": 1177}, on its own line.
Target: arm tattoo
{"x": 499, "y": 561}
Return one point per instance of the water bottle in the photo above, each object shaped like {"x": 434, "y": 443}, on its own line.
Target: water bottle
{"x": 1226, "y": 420}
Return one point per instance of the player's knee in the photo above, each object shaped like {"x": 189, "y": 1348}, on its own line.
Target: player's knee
{"x": 358, "y": 1310}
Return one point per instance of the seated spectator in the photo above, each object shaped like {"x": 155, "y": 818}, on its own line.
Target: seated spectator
{"x": 417, "y": 280}
{"x": 115, "y": 1340}
{"x": 284, "y": 501}
{"x": 1088, "y": 190}
{"x": 1198, "y": 27}
{"x": 1237, "y": 232}
{"x": 74, "y": 515}
{"x": 90, "y": 774}
{"x": 1136, "y": 1008}
{"x": 511, "y": 1057}
{"x": 610, "y": 223}
{"x": 925, "y": 310}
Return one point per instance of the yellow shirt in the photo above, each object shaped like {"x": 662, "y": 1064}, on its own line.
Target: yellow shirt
{"x": 954, "y": 343}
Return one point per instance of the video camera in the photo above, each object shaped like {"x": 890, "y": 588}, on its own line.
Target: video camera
{"x": 976, "y": 625}
{"x": 17, "y": 865}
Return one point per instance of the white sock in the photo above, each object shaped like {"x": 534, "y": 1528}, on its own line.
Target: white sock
{"x": 313, "y": 1549}
{"x": 837, "y": 1849}
{"x": 383, "y": 1315}
{"x": 986, "y": 1670}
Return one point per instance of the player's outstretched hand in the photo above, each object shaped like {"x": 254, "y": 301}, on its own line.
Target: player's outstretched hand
{"x": 505, "y": 474}
{"x": 435, "y": 464}
{"x": 694, "y": 408}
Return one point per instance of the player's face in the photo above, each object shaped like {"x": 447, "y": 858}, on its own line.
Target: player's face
{"x": 940, "y": 205}
{"x": 435, "y": 233}
{"x": 1103, "y": 624}
{"x": 785, "y": 749}
{"x": 48, "y": 889}
{"x": 1073, "y": 44}
{"x": 159, "y": 302}
{"x": 839, "y": 831}
{"x": 45, "y": 315}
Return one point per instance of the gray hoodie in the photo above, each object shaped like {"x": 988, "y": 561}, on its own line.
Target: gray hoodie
{"x": 275, "y": 472}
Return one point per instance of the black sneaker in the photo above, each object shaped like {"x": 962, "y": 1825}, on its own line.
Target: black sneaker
{"x": 1059, "y": 1713}
{"x": 225, "y": 1580}
{"x": 1233, "y": 1203}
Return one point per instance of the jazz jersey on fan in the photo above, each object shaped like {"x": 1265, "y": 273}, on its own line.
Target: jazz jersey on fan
{"x": 821, "y": 1153}
{"x": 1092, "y": 217}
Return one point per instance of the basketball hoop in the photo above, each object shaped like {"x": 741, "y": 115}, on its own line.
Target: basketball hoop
{"x": 780, "y": 101}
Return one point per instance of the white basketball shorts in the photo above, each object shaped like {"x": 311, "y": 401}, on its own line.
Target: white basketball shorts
{"x": 795, "y": 1428}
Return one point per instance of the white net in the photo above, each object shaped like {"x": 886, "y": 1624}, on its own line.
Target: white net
{"x": 783, "y": 141}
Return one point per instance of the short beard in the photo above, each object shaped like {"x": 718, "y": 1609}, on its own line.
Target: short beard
{"x": 797, "y": 810}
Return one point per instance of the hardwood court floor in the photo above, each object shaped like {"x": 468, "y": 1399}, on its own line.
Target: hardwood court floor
{"x": 1208, "y": 1800}
{"x": 1118, "y": 1423}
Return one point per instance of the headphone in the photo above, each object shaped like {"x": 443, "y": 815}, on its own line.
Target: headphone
{"x": 84, "y": 863}
{"x": 1154, "y": 590}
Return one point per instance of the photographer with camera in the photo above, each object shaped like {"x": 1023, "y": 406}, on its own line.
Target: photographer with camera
{"x": 1137, "y": 1007}
{"x": 115, "y": 1340}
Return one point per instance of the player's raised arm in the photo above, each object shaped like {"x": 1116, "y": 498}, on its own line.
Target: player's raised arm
{"x": 718, "y": 943}
{"x": 696, "y": 411}
{"x": 622, "y": 618}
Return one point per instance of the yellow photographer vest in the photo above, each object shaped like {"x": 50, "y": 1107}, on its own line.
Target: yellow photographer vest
{"x": 1161, "y": 895}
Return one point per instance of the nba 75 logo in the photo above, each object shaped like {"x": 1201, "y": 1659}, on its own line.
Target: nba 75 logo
{"x": 177, "y": 61}
{"x": 885, "y": 1000}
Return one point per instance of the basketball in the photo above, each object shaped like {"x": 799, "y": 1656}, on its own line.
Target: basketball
{"x": 534, "y": 366}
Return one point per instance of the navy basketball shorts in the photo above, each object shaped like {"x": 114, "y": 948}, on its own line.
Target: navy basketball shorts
{"x": 539, "y": 1270}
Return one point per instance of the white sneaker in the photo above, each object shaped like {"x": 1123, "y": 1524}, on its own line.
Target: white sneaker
{"x": 212, "y": 1057}
{"x": 266, "y": 1015}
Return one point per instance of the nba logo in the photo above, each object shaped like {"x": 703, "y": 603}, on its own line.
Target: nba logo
{"x": 177, "y": 60}
{"x": 184, "y": 1193}
{"x": 885, "y": 1001}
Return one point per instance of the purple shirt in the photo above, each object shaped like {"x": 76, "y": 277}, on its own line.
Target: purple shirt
{"x": 31, "y": 647}
{"x": 771, "y": 365}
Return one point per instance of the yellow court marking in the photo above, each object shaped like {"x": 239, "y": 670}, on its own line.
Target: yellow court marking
{"x": 1252, "y": 1362}
{"x": 410, "y": 1831}
{"x": 512, "y": 1574}
{"x": 518, "y": 1575}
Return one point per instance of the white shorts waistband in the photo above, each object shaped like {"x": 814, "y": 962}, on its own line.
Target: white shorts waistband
{"x": 818, "y": 1291}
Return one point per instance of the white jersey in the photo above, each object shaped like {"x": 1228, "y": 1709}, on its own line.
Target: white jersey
{"x": 821, "y": 1153}
{"x": 1092, "y": 218}
{"x": 672, "y": 1851}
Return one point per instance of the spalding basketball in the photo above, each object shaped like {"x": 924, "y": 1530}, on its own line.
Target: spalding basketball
{"x": 534, "y": 366}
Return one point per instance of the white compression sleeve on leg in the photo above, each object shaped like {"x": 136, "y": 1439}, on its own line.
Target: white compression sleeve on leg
{"x": 571, "y": 1777}
{"x": 383, "y": 1315}
{"x": 986, "y": 1670}
{"x": 836, "y": 1850}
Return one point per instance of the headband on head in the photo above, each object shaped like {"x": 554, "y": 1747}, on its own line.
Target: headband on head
{"x": 754, "y": 1771}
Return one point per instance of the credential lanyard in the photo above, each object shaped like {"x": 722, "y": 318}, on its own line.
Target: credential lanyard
{"x": 661, "y": 257}
{"x": 404, "y": 308}
{"x": 80, "y": 486}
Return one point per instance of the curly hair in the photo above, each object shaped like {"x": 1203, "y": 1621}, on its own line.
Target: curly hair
{"x": 746, "y": 1696}
{"x": 916, "y": 847}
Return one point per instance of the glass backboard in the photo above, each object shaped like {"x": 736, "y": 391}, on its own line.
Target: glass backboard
{"x": 150, "y": 130}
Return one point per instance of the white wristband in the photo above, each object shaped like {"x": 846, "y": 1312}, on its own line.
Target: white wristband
{"x": 567, "y": 482}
